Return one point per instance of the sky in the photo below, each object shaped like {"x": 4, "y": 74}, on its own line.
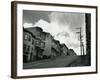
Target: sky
{"x": 62, "y": 25}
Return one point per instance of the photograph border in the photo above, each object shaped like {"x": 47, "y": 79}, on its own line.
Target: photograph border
{"x": 14, "y": 37}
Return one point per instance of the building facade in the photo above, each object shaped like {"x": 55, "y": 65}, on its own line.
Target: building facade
{"x": 38, "y": 45}
{"x": 64, "y": 49}
{"x": 28, "y": 46}
{"x": 71, "y": 52}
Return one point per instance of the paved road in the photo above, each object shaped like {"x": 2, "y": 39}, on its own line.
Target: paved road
{"x": 57, "y": 62}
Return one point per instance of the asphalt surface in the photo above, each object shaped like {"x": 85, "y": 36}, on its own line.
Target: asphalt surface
{"x": 51, "y": 63}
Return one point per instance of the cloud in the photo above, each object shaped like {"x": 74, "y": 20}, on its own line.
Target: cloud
{"x": 27, "y": 25}
{"x": 73, "y": 20}
{"x": 32, "y": 16}
{"x": 66, "y": 34}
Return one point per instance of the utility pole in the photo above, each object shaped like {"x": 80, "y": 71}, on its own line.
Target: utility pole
{"x": 81, "y": 42}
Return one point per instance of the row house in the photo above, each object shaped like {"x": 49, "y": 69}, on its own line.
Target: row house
{"x": 33, "y": 45}
{"x": 71, "y": 52}
{"x": 28, "y": 46}
{"x": 64, "y": 49}
{"x": 40, "y": 40}
{"x": 56, "y": 50}
{"x": 48, "y": 41}
{"x": 38, "y": 44}
{"x": 45, "y": 40}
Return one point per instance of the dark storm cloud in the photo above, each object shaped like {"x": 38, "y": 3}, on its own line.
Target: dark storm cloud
{"x": 33, "y": 16}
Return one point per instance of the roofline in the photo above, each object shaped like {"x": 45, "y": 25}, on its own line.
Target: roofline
{"x": 29, "y": 32}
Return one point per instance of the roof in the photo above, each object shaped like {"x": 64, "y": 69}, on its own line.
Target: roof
{"x": 28, "y": 32}
{"x": 38, "y": 28}
{"x": 63, "y": 45}
{"x": 57, "y": 41}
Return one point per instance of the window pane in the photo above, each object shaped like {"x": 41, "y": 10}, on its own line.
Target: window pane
{"x": 24, "y": 47}
{"x": 32, "y": 41}
{"x": 29, "y": 39}
{"x": 26, "y": 36}
{"x": 28, "y": 48}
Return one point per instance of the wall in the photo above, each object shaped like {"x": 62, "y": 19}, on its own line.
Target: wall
{"x": 5, "y": 41}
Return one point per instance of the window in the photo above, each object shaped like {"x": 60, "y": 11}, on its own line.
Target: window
{"x": 28, "y": 48}
{"x": 25, "y": 36}
{"x": 38, "y": 42}
{"x": 43, "y": 36}
{"x": 29, "y": 39}
{"x": 32, "y": 41}
{"x": 32, "y": 49}
{"x": 42, "y": 44}
{"x": 38, "y": 34}
{"x": 24, "y": 47}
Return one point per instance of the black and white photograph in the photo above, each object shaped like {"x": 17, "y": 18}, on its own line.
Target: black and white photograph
{"x": 53, "y": 39}
{"x": 56, "y": 39}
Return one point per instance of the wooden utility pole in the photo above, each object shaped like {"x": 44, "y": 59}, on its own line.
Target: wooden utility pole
{"x": 81, "y": 42}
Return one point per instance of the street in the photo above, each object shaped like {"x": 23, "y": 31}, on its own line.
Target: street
{"x": 51, "y": 63}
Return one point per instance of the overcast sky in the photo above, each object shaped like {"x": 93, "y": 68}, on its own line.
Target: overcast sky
{"x": 63, "y": 26}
